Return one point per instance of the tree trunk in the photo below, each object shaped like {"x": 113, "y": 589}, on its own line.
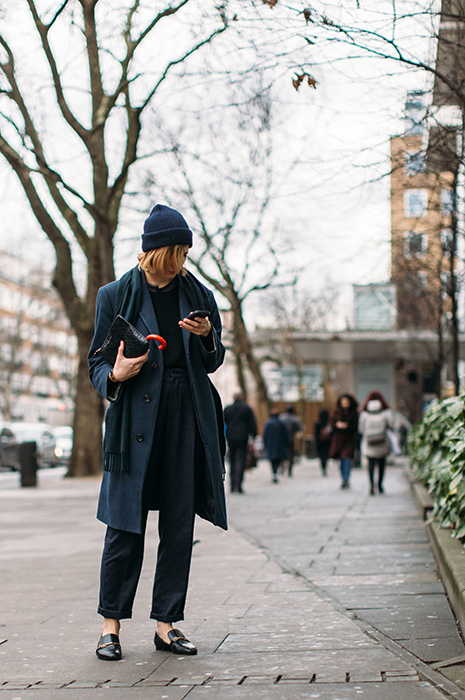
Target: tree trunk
{"x": 86, "y": 459}
{"x": 242, "y": 343}
{"x": 240, "y": 374}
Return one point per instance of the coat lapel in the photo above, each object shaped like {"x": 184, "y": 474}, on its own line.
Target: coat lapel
{"x": 147, "y": 314}
{"x": 184, "y": 309}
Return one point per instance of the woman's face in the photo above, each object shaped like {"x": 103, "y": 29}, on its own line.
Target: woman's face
{"x": 345, "y": 402}
{"x": 173, "y": 269}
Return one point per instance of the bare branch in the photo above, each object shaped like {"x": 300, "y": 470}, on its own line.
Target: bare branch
{"x": 68, "y": 292}
{"x": 57, "y": 14}
{"x": 171, "y": 64}
{"x": 43, "y": 29}
{"x": 51, "y": 177}
{"x": 161, "y": 15}
{"x": 99, "y": 110}
{"x": 130, "y": 156}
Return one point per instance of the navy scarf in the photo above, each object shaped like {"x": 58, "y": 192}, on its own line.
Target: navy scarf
{"x": 118, "y": 418}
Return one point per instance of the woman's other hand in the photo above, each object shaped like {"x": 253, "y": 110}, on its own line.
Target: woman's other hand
{"x": 197, "y": 326}
{"x": 127, "y": 367}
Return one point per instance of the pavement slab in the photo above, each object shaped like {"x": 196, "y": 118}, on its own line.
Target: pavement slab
{"x": 313, "y": 592}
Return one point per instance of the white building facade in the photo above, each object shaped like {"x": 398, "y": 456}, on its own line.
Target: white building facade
{"x": 38, "y": 357}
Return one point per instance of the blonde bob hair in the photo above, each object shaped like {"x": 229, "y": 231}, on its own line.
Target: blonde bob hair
{"x": 159, "y": 260}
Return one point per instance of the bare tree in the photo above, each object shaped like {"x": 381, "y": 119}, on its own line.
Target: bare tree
{"x": 294, "y": 310}
{"x": 226, "y": 184}
{"x": 72, "y": 150}
{"x": 424, "y": 38}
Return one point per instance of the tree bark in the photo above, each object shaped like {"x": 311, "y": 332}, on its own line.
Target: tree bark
{"x": 86, "y": 459}
{"x": 244, "y": 344}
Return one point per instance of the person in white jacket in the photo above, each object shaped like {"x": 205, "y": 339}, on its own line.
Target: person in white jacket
{"x": 375, "y": 420}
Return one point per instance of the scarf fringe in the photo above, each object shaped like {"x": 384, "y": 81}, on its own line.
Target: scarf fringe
{"x": 115, "y": 462}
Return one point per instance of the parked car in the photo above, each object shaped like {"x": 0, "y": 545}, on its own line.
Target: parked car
{"x": 40, "y": 433}
{"x": 8, "y": 448}
{"x": 63, "y": 435}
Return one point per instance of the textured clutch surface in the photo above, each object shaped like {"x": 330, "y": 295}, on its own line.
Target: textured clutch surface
{"x": 135, "y": 344}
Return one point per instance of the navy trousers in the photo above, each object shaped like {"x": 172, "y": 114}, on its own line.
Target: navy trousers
{"x": 170, "y": 486}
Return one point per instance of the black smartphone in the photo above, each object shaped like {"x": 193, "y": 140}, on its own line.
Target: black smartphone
{"x": 200, "y": 313}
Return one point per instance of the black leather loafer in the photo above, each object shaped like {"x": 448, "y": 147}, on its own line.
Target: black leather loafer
{"x": 178, "y": 643}
{"x": 109, "y": 648}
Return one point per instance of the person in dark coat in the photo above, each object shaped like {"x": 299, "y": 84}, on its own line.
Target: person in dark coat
{"x": 275, "y": 442}
{"x": 240, "y": 426}
{"x": 344, "y": 422}
{"x": 293, "y": 426}
{"x": 323, "y": 434}
{"x": 164, "y": 435}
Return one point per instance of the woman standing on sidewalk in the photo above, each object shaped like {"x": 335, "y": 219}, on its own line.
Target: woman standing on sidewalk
{"x": 344, "y": 423}
{"x": 164, "y": 438}
{"x": 375, "y": 420}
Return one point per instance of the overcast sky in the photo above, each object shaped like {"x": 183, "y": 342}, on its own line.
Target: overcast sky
{"x": 338, "y": 207}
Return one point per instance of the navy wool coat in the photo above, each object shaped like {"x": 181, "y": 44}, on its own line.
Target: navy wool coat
{"x": 120, "y": 502}
{"x": 275, "y": 439}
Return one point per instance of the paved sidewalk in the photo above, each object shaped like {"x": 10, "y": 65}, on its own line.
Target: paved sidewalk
{"x": 313, "y": 593}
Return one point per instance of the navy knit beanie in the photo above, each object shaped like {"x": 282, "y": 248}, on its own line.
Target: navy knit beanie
{"x": 165, "y": 226}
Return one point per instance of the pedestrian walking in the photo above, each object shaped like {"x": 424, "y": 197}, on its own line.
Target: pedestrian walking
{"x": 375, "y": 421}
{"x": 164, "y": 434}
{"x": 275, "y": 442}
{"x": 344, "y": 423}
{"x": 241, "y": 426}
{"x": 293, "y": 427}
{"x": 323, "y": 433}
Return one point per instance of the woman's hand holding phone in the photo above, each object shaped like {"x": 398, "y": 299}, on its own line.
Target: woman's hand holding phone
{"x": 197, "y": 322}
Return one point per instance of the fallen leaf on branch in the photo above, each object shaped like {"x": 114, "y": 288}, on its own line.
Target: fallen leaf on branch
{"x": 271, "y": 3}
{"x": 307, "y": 14}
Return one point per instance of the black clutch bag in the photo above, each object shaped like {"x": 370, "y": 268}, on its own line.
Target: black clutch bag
{"x": 135, "y": 344}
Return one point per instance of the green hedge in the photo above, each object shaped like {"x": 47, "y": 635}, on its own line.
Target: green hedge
{"x": 437, "y": 451}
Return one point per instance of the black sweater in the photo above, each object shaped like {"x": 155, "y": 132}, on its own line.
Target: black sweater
{"x": 165, "y": 302}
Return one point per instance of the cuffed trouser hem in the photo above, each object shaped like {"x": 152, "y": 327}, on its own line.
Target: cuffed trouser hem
{"x": 167, "y": 618}
{"x": 114, "y": 614}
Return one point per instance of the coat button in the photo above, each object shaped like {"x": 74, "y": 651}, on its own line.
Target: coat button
{"x": 154, "y": 365}
{"x": 140, "y": 438}
{"x": 147, "y": 398}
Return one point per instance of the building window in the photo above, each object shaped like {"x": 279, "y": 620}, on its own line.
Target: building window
{"x": 283, "y": 383}
{"x": 415, "y": 244}
{"x": 415, "y": 162}
{"x": 415, "y": 203}
{"x": 447, "y": 202}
